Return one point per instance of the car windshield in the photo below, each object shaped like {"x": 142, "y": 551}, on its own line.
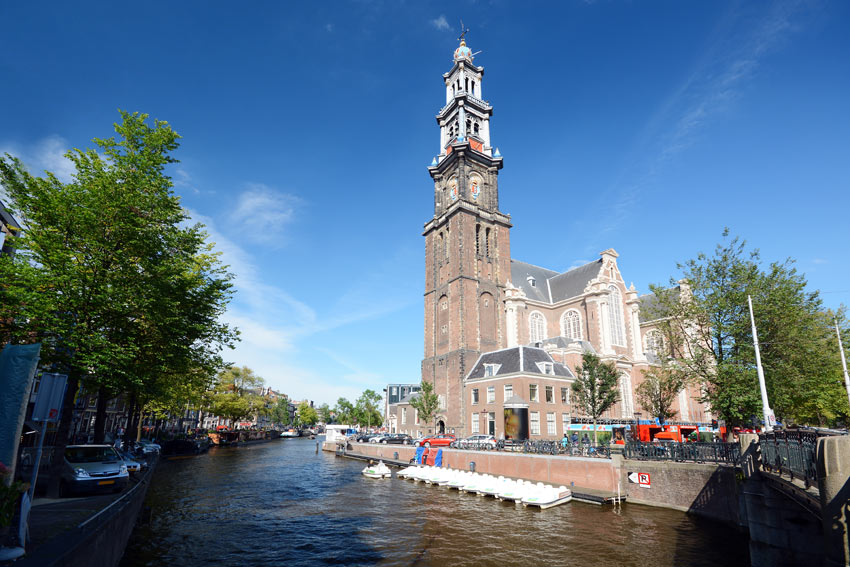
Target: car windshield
{"x": 90, "y": 454}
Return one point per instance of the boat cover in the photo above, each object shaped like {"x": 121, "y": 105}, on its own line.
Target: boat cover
{"x": 438, "y": 460}
{"x": 418, "y": 458}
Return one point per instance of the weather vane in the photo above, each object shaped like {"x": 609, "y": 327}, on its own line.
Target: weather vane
{"x": 463, "y": 31}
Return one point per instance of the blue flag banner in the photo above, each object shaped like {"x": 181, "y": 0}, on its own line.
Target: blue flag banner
{"x": 17, "y": 369}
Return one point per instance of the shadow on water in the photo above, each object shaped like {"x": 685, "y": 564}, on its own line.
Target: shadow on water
{"x": 281, "y": 503}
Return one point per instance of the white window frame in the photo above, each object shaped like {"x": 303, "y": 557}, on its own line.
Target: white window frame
{"x": 547, "y": 390}
{"x": 626, "y": 403}
{"x": 536, "y": 327}
{"x": 533, "y": 393}
{"x": 534, "y": 419}
{"x": 654, "y": 342}
{"x": 571, "y": 324}
{"x": 551, "y": 427}
{"x": 475, "y": 423}
{"x": 508, "y": 391}
{"x": 403, "y": 416}
{"x": 615, "y": 316}
{"x": 475, "y": 396}
{"x": 565, "y": 399}
{"x": 565, "y": 422}
{"x": 491, "y": 394}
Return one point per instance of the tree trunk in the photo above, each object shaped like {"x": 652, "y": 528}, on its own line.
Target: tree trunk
{"x": 594, "y": 432}
{"x": 58, "y": 461}
{"x": 100, "y": 416}
{"x": 131, "y": 412}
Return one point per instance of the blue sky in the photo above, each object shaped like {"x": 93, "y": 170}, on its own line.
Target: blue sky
{"x": 307, "y": 128}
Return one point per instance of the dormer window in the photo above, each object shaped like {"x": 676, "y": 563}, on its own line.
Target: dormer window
{"x": 531, "y": 281}
{"x": 491, "y": 369}
{"x": 546, "y": 367}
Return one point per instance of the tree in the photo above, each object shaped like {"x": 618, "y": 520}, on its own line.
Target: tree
{"x": 325, "y": 413}
{"x": 705, "y": 317}
{"x": 307, "y": 414}
{"x": 236, "y": 395}
{"x": 366, "y": 408}
{"x": 89, "y": 267}
{"x": 659, "y": 389}
{"x": 344, "y": 412}
{"x": 280, "y": 411}
{"x": 595, "y": 387}
{"x": 426, "y": 402}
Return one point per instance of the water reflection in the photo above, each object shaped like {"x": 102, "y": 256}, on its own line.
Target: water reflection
{"x": 281, "y": 503}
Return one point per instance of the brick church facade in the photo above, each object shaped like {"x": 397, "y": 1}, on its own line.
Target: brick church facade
{"x": 503, "y": 334}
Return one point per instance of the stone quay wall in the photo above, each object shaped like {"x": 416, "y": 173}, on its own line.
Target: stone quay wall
{"x": 703, "y": 489}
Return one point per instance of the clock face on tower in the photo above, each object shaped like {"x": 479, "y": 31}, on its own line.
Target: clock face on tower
{"x": 453, "y": 188}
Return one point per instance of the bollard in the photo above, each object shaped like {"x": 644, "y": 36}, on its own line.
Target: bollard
{"x": 317, "y": 447}
{"x": 395, "y": 455}
{"x": 471, "y": 466}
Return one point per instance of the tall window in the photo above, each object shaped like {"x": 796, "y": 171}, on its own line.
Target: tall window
{"x": 571, "y": 324}
{"x": 403, "y": 416}
{"x": 491, "y": 394}
{"x": 615, "y": 316}
{"x": 478, "y": 239}
{"x": 565, "y": 422}
{"x": 550, "y": 423}
{"x": 535, "y": 423}
{"x": 416, "y": 416}
{"x": 536, "y": 327}
{"x": 550, "y": 395}
{"x": 487, "y": 242}
{"x": 654, "y": 342}
{"x": 509, "y": 391}
{"x": 474, "y": 396}
{"x": 474, "y": 422}
{"x": 565, "y": 395}
{"x": 532, "y": 393}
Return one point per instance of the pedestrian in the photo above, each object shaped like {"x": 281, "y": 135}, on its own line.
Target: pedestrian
{"x": 575, "y": 438}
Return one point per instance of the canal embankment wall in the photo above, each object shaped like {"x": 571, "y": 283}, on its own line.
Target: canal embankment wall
{"x": 99, "y": 540}
{"x": 706, "y": 490}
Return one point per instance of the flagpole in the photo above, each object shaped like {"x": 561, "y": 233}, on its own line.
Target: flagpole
{"x": 768, "y": 413}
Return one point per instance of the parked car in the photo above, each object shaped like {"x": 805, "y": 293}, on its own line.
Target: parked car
{"x": 476, "y": 442}
{"x": 397, "y": 439}
{"x": 148, "y": 446}
{"x": 441, "y": 440}
{"x": 134, "y": 464}
{"x": 378, "y": 438}
{"x": 91, "y": 468}
{"x": 364, "y": 437}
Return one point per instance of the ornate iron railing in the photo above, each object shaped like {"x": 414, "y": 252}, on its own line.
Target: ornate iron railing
{"x": 680, "y": 452}
{"x": 791, "y": 452}
{"x": 541, "y": 447}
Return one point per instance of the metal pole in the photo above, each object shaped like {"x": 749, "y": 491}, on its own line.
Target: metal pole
{"x": 37, "y": 459}
{"x": 843, "y": 360}
{"x": 768, "y": 413}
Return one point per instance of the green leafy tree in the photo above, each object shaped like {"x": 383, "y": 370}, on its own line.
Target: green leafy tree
{"x": 85, "y": 276}
{"x": 325, "y": 413}
{"x": 237, "y": 394}
{"x": 366, "y": 408}
{"x": 344, "y": 411}
{"x": 706, "y": 318}
{"x": 280, "y": 411}
{"x": 659, "y": 389}
{"x": 427, "y": 403}
{"x": 307, "y": 414}
{"x": 595, "y": 387}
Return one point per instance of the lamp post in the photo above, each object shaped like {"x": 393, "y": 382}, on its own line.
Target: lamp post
{"x": 769, "y": 419}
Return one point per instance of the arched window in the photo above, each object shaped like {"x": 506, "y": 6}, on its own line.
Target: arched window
{"x": 615, "y": 316}
{"x": 475, "y": 128}
{"x": 536, "y": 327}
{"x": 571, "y": 324}
{"x": 478, "y": 239}
{"x": 654, "y": 342}
{"x": 487, "y": 242}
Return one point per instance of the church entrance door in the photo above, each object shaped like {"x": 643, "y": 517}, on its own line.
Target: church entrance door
{"x": 441, "y": 426}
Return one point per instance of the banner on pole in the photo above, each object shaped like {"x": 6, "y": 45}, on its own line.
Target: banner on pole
{"x": 48, "y": 401}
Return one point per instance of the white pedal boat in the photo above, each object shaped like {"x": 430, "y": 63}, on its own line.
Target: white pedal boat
{"x": 377, "y": 471}
{"x": 547, "y": 496}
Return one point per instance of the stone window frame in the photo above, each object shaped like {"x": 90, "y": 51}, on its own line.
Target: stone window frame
{"x": 475, "y": 424}
{"x": 508, "y": 391}
{"x": 475, "y": 396}
{"x": 654, "y": 341}
{"x": 534, "y": 420}
{"x": 565, "y": 395}
{"x": 551, "y": 424}
{"x": 615, "y": 316}
{"x": 571, "y": 324}
{"x": 534, "y": 393}
{"x": 549, "y": 393}
{"x": 536, "y": 327}
{"x": 491, "y": 394}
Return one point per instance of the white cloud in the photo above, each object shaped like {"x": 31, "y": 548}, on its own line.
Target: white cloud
{"x": 440, "y": 23}
{"x": 263, "y": 212}
{"x": 43, "y": 155}
{"x": 182, "y": 178}
{"x": 820, "y": 261}
{"x": 329, "y": 28}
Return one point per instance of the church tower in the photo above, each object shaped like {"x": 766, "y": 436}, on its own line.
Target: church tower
{"x": 467, "y": 244}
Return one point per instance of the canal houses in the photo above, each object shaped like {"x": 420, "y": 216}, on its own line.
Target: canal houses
{"x": 482, "y": 305}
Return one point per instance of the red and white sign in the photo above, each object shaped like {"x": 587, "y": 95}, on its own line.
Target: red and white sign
{"x": 640, "y": 478}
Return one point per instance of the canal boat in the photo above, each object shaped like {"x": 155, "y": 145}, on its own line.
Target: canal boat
{"x": 546, "y": 496}
{"x": 290, "y": 433}
{"x": 377, "y": 471}
{"x": 183, "y": 448}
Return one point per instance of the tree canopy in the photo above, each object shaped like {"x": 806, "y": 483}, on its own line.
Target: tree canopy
{"x": 426, "y": 402}
{"x": 595, "y": 387}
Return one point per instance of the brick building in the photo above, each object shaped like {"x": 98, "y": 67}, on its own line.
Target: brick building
{"x": 501, "y": 334}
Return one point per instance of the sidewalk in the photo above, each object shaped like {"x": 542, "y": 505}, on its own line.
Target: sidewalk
{"x": 50, "y": 517}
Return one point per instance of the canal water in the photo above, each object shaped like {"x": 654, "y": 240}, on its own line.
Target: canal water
{"x": 282, "y": 503}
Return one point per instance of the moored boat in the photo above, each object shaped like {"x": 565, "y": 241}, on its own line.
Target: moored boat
{"x": 377, "y": 471}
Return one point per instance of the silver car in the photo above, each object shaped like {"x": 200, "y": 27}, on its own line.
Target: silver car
{"x": 90, "y": 468}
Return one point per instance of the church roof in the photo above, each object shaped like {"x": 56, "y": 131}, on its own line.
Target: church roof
{"x": 564, "y": 342}
{"x": 550, "y": 286}
{"x": 650, "y": 308}
{"x": 515, "y": 360}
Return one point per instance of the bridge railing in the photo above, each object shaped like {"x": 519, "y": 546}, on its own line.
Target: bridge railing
{"x": 729, "y": 453}
{"x": 791, "y": 452}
